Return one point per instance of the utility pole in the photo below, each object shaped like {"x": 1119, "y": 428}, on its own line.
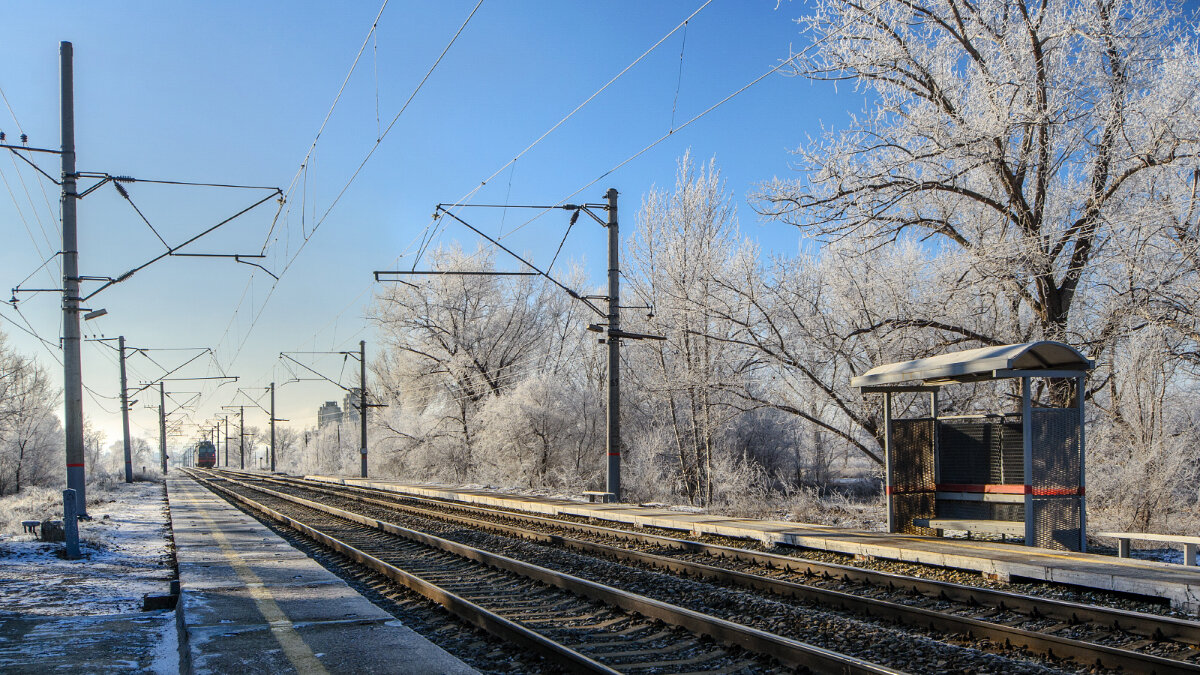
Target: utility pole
{"x": 362, "y": 406}
{"x": 612, "y": 316}
{"x": 162, "y": 426}
{"x": 125, "y": 413}
{"x": 272, "y": 427}
{"x": 242, "y": 437}
{"x": 72, "y": 365}
{"x": 362, "y": 400}
{"x": 226, "y": 464}
{"x": 614, "y": 354}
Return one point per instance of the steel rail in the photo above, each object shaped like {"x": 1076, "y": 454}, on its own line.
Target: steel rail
{"x": 1085, "y": 653}
{"x": 786, "y": 650}
{"x": 1138, "y": 623}
{"x": 464, "y": 609}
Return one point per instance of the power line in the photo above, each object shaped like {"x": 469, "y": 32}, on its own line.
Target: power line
{"x": 332, "y": 106}
{"x": 354, "y": 176}
{"x": 791, "y": 59}
{"x": 586, "y": 101}
{"x": 404, "y": 107}
{"x": 429, "y": 229}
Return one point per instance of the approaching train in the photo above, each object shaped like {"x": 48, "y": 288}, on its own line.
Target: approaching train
{"x": 206, "y": 455}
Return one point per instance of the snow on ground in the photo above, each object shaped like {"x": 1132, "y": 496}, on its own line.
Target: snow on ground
{"x": 125, "y": 555}
{"x": 96, "y": 600}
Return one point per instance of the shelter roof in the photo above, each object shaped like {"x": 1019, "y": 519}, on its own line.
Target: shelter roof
{"x": 1029, "y": 359}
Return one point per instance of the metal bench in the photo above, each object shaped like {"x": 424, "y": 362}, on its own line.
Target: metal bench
{"x": 1190, "y": 544}
{"x": 605, "y": 497}
{"x": 31, "y": 526}
{"x": 1014, "y": 528}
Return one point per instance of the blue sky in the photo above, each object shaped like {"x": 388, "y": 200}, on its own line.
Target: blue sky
{"x": 235, "y": 92}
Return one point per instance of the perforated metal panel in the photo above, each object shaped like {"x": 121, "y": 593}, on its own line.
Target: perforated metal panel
{"x": 1056, "y": 523}
{"x": 912, "y": 474}
{"x": 964, "y": 450}
{"x": 1008, "y": 512}
{"x": 912, "y": 454}
{"x": 963, "y": 510}
{"x": 973, "y": 510}
{"x": 975, "y": 451}
{"x": 1057, "y": 505}
{"x": 1012, "y": 452}
{"x": 909, "y": 506}
{"x": 1055, "y": 450}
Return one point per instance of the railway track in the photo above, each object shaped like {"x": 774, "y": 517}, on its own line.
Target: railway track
{"x": 1087, "y": 634}
{"x": 582, "y": 625}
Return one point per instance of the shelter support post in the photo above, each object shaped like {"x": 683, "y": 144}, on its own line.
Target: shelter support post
{"x": 1079, "y": 395}
{"x": 1027, "y": 455}
{"x": 893, "y": 526}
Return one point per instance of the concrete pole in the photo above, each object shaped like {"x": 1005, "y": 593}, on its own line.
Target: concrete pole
{"x": 162, "y": 427}
{"x": 71, "y": 524}
{"x": 72, "y": 364}
{"x": 125, "y": 414}
{"x": 226, "y": 464}
{"x": 362, "y": 401}
{"x": 242, "y": 437}
{"x": 272, "y": 427}
{"x": 614, "y": 354}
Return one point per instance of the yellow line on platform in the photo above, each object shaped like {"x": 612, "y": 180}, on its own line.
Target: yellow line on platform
{"x": 294, "y": 647}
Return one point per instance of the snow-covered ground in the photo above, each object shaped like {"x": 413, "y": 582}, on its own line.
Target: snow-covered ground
{"x": 96, "y": 601}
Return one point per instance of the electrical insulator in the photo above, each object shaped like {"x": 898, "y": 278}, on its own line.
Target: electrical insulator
{"x": 1, "y": 135}
{"x": 24, "y": 138}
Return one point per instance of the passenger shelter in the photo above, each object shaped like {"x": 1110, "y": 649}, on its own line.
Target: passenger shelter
{"x": 989, "y": 472}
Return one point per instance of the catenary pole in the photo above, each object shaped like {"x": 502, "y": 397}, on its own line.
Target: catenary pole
{"x": 272, "y": 427}
{"x": 614, "y": 355}
{"x": 362, "y": 401}
{"x": 162, "y": 426}
{"x": 72, "y": 365}
{"x": 226, "y": 464}
{"x": 242, "y": 437}
{"x": 125, "y": 413}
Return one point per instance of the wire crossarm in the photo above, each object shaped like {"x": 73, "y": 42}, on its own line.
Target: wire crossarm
{"x": 442, "y": 209}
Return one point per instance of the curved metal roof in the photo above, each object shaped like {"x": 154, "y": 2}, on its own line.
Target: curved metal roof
{"x": 1036, "y": 359}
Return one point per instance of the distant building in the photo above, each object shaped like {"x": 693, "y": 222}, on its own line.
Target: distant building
{"x": 350, "y": 406}
{"x": 329, "y": 413}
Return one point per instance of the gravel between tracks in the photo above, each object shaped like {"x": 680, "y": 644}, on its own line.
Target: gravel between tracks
{"x": 900, "y": 648}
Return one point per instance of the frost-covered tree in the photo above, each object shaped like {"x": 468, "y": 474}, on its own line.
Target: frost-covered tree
{"x": 1022, "y": 138}
{"x": 1037, "y": 164}
{"x": 30, "y": 434}
{"x": 452, "y": 343}
{"x": 94, "y": 451}
{"x": 684, "y": 239}
{"x": 545, "y": 431}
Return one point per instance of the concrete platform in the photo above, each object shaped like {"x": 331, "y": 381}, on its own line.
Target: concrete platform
{"x": 142, "y": 642}
{"x": 1180, "y": 585}
{"x": 251, "y": 603}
